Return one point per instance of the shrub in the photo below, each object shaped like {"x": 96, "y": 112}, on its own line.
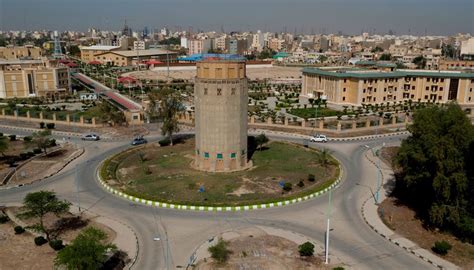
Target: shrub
{"x": 23, "y": 156}
{"x": 50, "y": 125}
{"x": 338, "y": 268}
{"x": 12, "y": 137}
{"x": 220, "y": 252}
{"x": 27, "y": 139}
{"x": 42, "y": 125}
{"x": 287, "y": 186}
{"x": 19, "y": 230}
{"x": 56, "y": 244}
{"x": 4, "y": 219}
{"x": 1, "y": 134}
{"x": 306, "y": 249}
{"x": 40, "y": 240}
{"x": 301, "y": 183}
{"x": 165, "y": 142}
{"x": 37, "y": 151}
{"x": 311, "y": 177}
{"x": 441, "y": 247}
{"x": 52, "y": 142}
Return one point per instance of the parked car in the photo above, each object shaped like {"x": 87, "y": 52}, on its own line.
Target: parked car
{"x": 139, "y": 140}
{"x": 90, "y": 137}
{"x": 318, "y": 138}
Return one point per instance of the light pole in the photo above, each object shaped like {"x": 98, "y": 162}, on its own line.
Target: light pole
{"x": 327, "y": 228}
{"x": 76, "y": 182}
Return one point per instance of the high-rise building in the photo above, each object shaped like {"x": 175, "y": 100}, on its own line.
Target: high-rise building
{"x": 221, "y": 96}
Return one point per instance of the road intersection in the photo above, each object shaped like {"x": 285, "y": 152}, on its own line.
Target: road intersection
{"x": 167, "y": 237}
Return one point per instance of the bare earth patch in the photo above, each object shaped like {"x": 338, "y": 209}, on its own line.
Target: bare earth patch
{"x": 402, "y": 220}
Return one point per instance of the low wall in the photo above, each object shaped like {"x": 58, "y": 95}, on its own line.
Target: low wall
{"x": 55, "y": 120}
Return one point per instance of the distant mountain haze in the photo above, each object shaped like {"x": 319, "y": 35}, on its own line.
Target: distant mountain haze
{"x": 433, "y": 17}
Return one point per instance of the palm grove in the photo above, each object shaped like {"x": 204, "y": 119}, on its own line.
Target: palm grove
{"x": 436, "y": 174}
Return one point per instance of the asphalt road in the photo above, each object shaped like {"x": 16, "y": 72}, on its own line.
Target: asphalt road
{"x": 181, "y": 232}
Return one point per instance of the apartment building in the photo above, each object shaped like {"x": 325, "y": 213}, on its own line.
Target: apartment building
{"x": 199, "y": 46}
{"x": 23, "y": 52}
{"x": 32, "y": 78}
{"x": 89, "y": 52}
{"x": 347, "y": 86}
{"x": 445, "y": 64}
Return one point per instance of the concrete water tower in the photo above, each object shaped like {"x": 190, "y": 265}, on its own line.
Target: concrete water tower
{"x": 221, "y": 97}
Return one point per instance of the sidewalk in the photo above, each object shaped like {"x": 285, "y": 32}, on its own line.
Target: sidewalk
{"x": 371, "y": 217}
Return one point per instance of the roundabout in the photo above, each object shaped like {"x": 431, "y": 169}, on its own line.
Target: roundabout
{"x": 282, "y": 174}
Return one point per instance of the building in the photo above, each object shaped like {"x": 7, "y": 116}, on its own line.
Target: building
{"x": 89, "y": 52}
{"x": 198, "y": 46}
{"x": 32, "y": 78}
{"x": 237, "y": 46}
{"x": 221, "y": 43}
{"x": 220, "y": 98}
{"x": 467, "y": 49}
{"x": 129, "y": 58}
{"x": 276, "y": 44}
{"x": 446, "y": 64}
{"x": 23, "y": 52}
{"x": 141, "y": 45}
{"x": 361, "y": 86}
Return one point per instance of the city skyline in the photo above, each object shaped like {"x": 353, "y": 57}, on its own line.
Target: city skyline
{"x": 439, "y": 17}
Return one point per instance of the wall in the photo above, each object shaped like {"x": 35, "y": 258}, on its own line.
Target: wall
{"x": 67, "y": 122}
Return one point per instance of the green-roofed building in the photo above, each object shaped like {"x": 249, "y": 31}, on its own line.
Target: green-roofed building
{"x": 383, "y": 83}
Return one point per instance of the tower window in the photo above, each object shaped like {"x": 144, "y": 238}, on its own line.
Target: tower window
{"x": 232, "y": 91}
{"x": 205, "y": 91}
{"x": 206, "y": 154}
{"x": 232, "y": 155}
{"x": 219, "y": 91}
{"x": 219, "y": 156}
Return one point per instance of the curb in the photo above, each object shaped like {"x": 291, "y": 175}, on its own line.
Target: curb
{"x": 201, "y": 208}
{"x": 393, "y": 241}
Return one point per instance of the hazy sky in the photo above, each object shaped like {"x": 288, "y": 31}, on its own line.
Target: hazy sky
{"x": 330, "y": 16}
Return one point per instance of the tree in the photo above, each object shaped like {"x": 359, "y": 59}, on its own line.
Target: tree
{"x": 38, "y": 204}
{"x": 220, "y": 251}
{"x": 377, "y": 49}
{"x": 169, "y": 107}
{"x": 436, "y": 175}
{"x": 110, "y": 114}
{"x": 385, "y": 57}
{"x": 324, "y": 157}
{"x": 41, "y": 139}
{"x": 3, "y": 145}
{"x": 87, "y": 251}
{"x": 420, "y": 62}
{"x": 306, "y": 249}
{"x": 261, "y": 140}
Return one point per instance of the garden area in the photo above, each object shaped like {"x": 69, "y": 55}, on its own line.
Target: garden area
{"x": 165, "y": 174}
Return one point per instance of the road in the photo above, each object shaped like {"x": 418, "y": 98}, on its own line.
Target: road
{"x": 181, "y": 232}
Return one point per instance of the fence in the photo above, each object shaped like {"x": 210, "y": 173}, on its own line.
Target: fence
{"x": 37, "y": 118}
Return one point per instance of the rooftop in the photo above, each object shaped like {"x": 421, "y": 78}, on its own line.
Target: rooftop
{"x": 133, "y": 53}
{"x": 100, "y": 48}
{"x": 374, "y": 74}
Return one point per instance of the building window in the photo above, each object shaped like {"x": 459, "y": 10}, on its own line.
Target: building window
{"x": 345, "y": 80}
{"x": 426, "y": 96}
{"x": 439, "y": 97}
{"x": 219, "y": 91}
{"x": 343, "y": 98}
{"x": 385, "y": 89}
{"x": 363, "y": 91}
{"x": 344, "y": 90}
{"x": 427, "y": 79}
{"x": 442, "y": 79}
{"x": 413, "y": 87}
{"x": 206, "y": 154}
{"x": 375, "y": 99}
{"x": 365, "y": 81}
{"x": 427, "y": 88}
{"x": 469, "y": 98}
{"x": 205, "y": 91}
{"x": 363, "y": 99}
{"x": 375, "y": 90}
{"x": 232, "y": 155}
{"x": 412, "y": 96}
{"x": 232, "y": 91}
{"x": 219, "y": 156}
{"x": 441, "y": 89}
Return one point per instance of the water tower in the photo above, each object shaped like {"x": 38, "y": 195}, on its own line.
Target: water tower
{"x": 221, "y": 97}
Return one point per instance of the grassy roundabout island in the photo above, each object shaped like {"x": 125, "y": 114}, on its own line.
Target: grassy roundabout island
{"x": 280, "y": 171}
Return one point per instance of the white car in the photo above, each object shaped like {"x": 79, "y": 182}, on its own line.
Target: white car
{"x": 318, "y": 138}
{"x": 91, "y": 137}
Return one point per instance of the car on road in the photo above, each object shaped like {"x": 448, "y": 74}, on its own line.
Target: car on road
{"x": 139, "y": 140}
{"x": 318, "y": 138}
{"x": 90, "y": 137}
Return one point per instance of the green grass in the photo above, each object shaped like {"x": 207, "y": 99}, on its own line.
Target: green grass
{"x": 311, "y": 112}
{"x": 172, "y": 179}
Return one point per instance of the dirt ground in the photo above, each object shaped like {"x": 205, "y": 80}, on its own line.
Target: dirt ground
{"x": 388, "y": 155}
{"x": 263, "y": 252}
{"x": 39, "y": 168}
{"x": 402, "y": 220}
{"x": 253, "y": 73}
{"x": 20, "y": 252}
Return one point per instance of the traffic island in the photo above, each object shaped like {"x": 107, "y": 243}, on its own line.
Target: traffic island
{"x": 282, "y": 174}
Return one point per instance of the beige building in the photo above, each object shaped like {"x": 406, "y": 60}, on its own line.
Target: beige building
{"x": 129, "y": 58}
{"x": 446, "y": 64}
{"x": 89, "y": 52}
{"x": 358, "y": 86}
{"x": 23, "y": 52}
{"x": 32, "y": 78}
{"x": 221, "y": 97}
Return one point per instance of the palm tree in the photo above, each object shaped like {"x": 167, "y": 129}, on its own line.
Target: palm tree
{"x": 324, "y": 157}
